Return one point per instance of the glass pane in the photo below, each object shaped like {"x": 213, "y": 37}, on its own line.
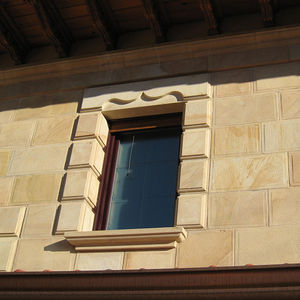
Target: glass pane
{"x": 144, "y": 188}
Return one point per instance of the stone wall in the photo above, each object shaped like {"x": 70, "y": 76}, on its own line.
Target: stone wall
{"x": 247, "y": 212}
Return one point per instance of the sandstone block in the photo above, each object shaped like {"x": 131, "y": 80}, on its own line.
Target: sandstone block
{"x": 11, "y": 220}
{"x": 285, "y": 206}
{"x": 88, "y": 219}
{"x": 282, "y": 136}
{"x": 205, "y": 248}
{"x": 81, "y": 185}
{"x": 99, "y": 261}
{"x": 6, "y": 185}
{"x": 44, "y": 254}
{"x": 268, "y": 245}
{"x": 295, "y": 168}
{"x": 263, "y": 171}
{"x": 193, "y": 175}
{"x": 191, "y": 210}
{"x": 16, "y": 133}
{"x": 231, "y": 83}
{"x": 39, "y": 159}
{"x": 88, "y": 154}
{"x": 290, "y": 104}
{"x": 197, "y": 113}
{"x": 195, "y": 143}
{"x": 246, "y": 109}
{"x": 247, "y": 208}
{"x": 7, "y": 253}
{"x": 39, "y": 220}
{"x": 53, "y": 130}
{"x": 237, "y": 139}
{"x": 36, "y": 188}
{"x": 149, "y": 259}
{"x": 4, "y": 161}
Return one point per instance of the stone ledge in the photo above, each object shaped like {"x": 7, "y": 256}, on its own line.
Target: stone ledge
{"x": 128, "y": 239}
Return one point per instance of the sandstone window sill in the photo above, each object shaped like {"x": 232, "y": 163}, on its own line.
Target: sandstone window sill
{"x": 127, "y": 239}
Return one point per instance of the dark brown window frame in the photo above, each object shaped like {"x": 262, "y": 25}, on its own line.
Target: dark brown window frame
{"x": 110, "y": 159}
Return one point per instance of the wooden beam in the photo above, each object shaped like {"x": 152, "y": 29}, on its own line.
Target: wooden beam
{"x": 53, "y": 25}
{"x": 104, "y": 22}
{"x": 209, "y": 16}
{"x": 267, "y": 12}
{"x": 12, "y": 38}
{"x": 155, "y": 19}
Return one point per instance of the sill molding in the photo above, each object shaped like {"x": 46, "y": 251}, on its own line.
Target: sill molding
{"x": 126, "y": 239}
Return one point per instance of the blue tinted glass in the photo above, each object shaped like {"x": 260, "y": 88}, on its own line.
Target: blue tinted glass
{"x": 144, "y": 188}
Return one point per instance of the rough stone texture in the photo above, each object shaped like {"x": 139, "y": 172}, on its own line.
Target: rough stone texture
{"x": 232, "y": 83}
{"x": 195, "y": 143}
{"x": 263, "y": 171}
{"x": 7, "y": 253}
{"x": 245, "y": 109}
{"x": 44, "y": 254}
{"x": 6, "y": 184}
{"x": 247, "y": 208}
{"x": 53, "y": 130}
{"x": 36, "y": 188}
{"x": 193, "y": 175}
{"x": 4, "y": 161}
{"x": 275, "y": 245}
{"x": 295, "y": 168}
{"x": 99, "y": 261}
{"x": 282, "y": 136}
{"x": 237, "y": 139}
{"x": 39, "y": 220}
{"x": 290, "y": 104}
{"x": 11, "y": 220}
{"x": 191, "y": 210}
{"x": 16, "y": 133}
{"x": 149, "y": 259}
{"x": 39, "y": 159}
{"x": 285, "y": 206}
{"x": 197, "y": 113}
{"x": 205, "y": 248}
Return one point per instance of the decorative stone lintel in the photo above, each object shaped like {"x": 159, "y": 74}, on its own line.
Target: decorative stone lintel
{"x": 127, "y": 239}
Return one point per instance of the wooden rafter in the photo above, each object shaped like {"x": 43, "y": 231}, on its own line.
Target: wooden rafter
{"x": 53, "y": 25}
{"x": 209, "y": 16}
{"x": 154, "y": 16}
{"x": 104, "y": 22}
{"x": 11, "y": 37}
{"x": 267, "y": 12}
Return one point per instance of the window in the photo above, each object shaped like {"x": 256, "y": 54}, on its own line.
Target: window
{"x": 138, "y": 186}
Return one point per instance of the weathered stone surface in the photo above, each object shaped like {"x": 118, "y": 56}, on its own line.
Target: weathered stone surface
{"x": 285, "y": 206}
{"x": 195, "y": 143}
{"x": 197, "y": 113}
{"x": 16, "y": 133}
{"x": 88, "y": 219}
{"x": 247, "y": 208}
{"x": 237, "y": 139}
{"x": 53, "y": 130}
{"x": 205, "y": 248}
{"x": 268, "y": 245}
{"x": 4, "y": 161}
{"x": 282, "y": 136}
{"x": 245, "y": 109}
{"x": 11, "y": 220}
{"x": 7, "y": 110}
{"x": 6, "y": 184}
{"x": 39, "y": 220}
{"x": 99, "y": 261}
{"x": 149, "y": 259}
{"x": 7, "y": 252}
{"x": 290, "y": 104}
{"x": 295, "y": 168}
{"x": 44, "y": 254}
{"x": 36, "y": 188}
{"x": 193, "y": 175}
{"x": 191, "y": 210}
{"x": 231, "y": 83}
{"x": 263, "y": 171}
{"x": 39, "y": 159}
